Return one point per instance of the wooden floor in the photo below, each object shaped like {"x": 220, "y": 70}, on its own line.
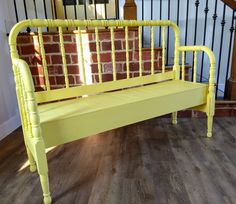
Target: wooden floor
{"x": 148, "y": 162}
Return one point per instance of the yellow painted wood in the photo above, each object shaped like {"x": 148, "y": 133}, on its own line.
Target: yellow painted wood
{"x": 113, "y": 54}
{"x": 152, "y": 49}
{"x": 210, "y": 105}
{"x": 81, "y": 53}
{"x": 163, "y": 48}
{"x": 98, "y": 55}
{"x": 195, "y": 67}
{"x": 58, "y": 94}
{"x": 127, "y": 50}
{"x": 48, "y": 124}
{"x": 183, "y": 66}
{"x": 140, "y": 50}
{"x": 63, "y": 55}
{"x": 170, "y": 96}
{"x": 43, "y": 55}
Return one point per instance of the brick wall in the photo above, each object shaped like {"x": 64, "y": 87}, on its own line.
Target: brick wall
{"x": 28, "y": 47}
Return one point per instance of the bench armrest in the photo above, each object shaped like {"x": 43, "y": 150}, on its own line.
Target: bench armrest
{"x": 25, "y": 96}
{"x": 211, "y": 56}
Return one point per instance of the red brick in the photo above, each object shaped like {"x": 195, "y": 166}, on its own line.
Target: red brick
{"x": 26, "y": 59}
{"x": 66, "y": 38}
{"x": 92, "y": 47}
{"x": 73, "y": 69}
{"x": 38, "y": 88}
{"x": 107, "y": 77}
{"x": 29, "y": 49}
{"x": 23, "y": 39}
{"x": 136, "y": 43}
{"x": 107, "y": 45}
{"x": 105, "y": 57}
{"x": 47, "y": 38}
{"x": 104, "y": 36}
{"x": 94, "y": 68}
{"x": 57, "y": 59}
{"x": 55, "y": 70}
{"x": 134, "y": 66}
{"x": 122, "y": 76}
{"x": 52, "y": 80}
{"x": 121, "y": 34}
{"x": 52, "y": 48}
{"x": 35, "y": 71}
{"x": 60, "y": 80}
{"x": 108, "y": 68}
{"x": 74, "y": 59}
{"x": 71, "y": 80}
{"x": 121, "y": 56}
{"x": 131, "y": 45}
{"x": 90, "y": 36}
{"x": 78, "y": 80}
{"x": 147, "y": 66}
{"x": 38, "y": 60}
{"x": 70, "y": 48}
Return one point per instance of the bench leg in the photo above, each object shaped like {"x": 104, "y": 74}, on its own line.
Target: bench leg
{"x": 42, "y": 166}
{"x": 174, "y": 118}
{"x": 32, "y": 163}
{"x": 45, "y": 187}
{"x": 209, "y": 125}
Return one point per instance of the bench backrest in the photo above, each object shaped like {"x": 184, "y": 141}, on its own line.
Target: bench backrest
{"x": 86, "y": 88}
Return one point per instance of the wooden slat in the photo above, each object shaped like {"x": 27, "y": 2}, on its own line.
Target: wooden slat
{"x": 113, "y": 53}
{"x": 81, "y": 55}
{"x": 140, "y": 49}
{"x": 195, "y": 67}
{"x": 163, "y": 48}
{"x": 152, "y": 50}
{"x": 127, "y": 50}
{"x": 63, "y": 55}
{"x": 183, "y": 66}
{"x": 44, "y": 62}
{"x": 58, "y": 94}
{"x": 98, "y": 55}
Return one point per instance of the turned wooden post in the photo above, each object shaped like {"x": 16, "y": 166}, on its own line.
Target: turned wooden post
{"x": 130, "y": 10}
{"x": 231, "y": 83}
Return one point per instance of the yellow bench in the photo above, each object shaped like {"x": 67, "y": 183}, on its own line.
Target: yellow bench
{"x": 54, "y": 117}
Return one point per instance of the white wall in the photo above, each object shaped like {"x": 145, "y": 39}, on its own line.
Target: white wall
{"x": 9, "y": 117}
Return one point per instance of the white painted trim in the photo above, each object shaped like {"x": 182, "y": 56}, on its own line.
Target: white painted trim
{"x": 9, "y": 126}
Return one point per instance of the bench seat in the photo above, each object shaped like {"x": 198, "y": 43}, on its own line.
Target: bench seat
{"x": 69, "y": 120}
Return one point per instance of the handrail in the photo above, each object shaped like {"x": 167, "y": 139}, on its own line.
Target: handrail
{"x": 230, "y": 3}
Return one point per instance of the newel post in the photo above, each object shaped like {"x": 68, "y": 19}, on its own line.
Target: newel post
{"x": 130, "y": 10}
{"x": 231, "y": 83}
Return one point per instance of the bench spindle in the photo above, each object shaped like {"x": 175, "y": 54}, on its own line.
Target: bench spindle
{"x": 113, "y": 53}
{"x": 98, "y": 55}
{"x": 195, "y": 67}
{"x": 63, "y": 55}
{"x": 44, "y": 62}
{"x": 81, "y": 53}
{"x": 183, "y": 66}
{"x": 152, "y": 50}
{"x": 163, "y": 48}
{"x": 140, "y": 50}
{"x": 127, "y": 50}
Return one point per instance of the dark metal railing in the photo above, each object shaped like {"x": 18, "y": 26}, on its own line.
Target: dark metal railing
{"x": 65, "y": 3}
{"x": 220, "y": 35}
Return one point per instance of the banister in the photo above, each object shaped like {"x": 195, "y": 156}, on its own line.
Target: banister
{"x": 230, "y": 3}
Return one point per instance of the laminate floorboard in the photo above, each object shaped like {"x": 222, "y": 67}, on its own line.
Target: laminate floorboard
{"x": 151, "y": 162}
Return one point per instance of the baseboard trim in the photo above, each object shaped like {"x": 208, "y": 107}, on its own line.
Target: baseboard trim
{"x": 9, "y": 126}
